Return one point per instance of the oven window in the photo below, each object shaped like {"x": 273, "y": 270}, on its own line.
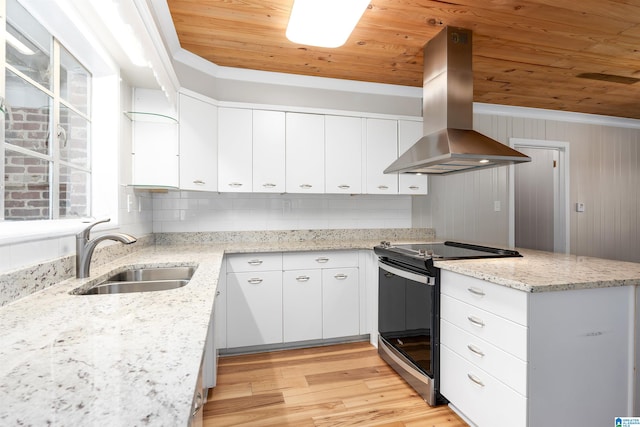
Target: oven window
{"x": 406, "y": 317}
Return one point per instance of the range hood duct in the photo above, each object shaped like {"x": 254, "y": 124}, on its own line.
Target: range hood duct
{"x": 450, "y": 144}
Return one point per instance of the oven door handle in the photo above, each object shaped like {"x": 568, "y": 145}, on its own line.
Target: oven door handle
{"x": 420, "y": 278}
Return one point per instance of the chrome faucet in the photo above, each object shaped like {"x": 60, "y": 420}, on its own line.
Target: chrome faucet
{"x": 85, "y": 246}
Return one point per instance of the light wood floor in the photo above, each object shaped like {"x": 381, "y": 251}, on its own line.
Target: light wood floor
{"x": 340, "y": 385}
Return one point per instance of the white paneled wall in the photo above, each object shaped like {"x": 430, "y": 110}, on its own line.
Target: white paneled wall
{"x": 194, "y": 211}
{"x": 604, "y": 175}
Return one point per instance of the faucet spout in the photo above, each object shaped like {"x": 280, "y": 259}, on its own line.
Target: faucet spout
{"x": 85, "y": 246}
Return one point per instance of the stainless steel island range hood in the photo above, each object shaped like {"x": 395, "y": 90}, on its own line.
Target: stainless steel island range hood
{"x": 450, "y": 144}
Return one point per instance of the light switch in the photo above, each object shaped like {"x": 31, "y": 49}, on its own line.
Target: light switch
{"x": 496, "y": 206}
{"x": 579, "y": 207}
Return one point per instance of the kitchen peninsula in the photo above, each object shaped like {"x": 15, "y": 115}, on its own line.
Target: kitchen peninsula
{"x": 134, "y": 358}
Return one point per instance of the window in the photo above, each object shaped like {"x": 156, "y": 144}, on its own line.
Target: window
{"x": 47, "y": 144}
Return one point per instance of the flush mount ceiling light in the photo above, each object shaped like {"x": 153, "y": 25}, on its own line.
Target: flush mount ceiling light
{"x": 324, "y": 23}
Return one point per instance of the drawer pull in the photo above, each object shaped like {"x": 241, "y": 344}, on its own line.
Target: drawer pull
{"x": 344, "y": 187}
{"x": 255, "y": 281}
{"x": 414, "y": 187}
{"x": 472, "y": 348}
{"x": 322, "y": 260}
{"x": 199, "y": 182}
{"x": 475, "y": 321}
{"x": 383, "y": 187}
{"x": 255, "y": 262}
{"x": 476, "y": 291}
{"x": 305, "y": 186}
{"x": 340, "y": 276}
{"x": 268, "y": 185}
{"x": 302, "y": 278}
{"x": 475, "y": 379}
{"x": 235, "y": 184}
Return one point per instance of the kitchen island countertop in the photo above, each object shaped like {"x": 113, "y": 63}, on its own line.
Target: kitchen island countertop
{"x": 133, "y": 359}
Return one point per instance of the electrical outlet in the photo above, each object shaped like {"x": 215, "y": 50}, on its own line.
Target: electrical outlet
{"x": 129, "y": 203}
{"x": 579, "y": 207}
{"x": 496, "y": 206}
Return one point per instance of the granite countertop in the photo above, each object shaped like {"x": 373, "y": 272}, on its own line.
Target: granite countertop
{"x": 539, "y": 271}
{"x": 133, "y": 359}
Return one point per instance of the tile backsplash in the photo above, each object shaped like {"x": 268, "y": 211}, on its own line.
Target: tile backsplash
{"x": 202, "y": 212}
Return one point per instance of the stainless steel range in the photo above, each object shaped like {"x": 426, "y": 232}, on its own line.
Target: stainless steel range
{"x": 409, "y": 308}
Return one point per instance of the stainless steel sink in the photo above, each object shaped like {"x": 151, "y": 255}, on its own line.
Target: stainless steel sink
{"x": 153, "y": 274}
{"x": 142, "y": 280}
{"x": 143, "y": 286}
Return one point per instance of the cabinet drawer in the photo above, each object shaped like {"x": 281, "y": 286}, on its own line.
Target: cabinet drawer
{"x": 503, "y": 333}
{"x": 254, "y": 262}
{"x": 498, "y": 363}
{"x": 327, "y": 259}
{"x": 486, "y": 401}
{"x": 497, "y": 299}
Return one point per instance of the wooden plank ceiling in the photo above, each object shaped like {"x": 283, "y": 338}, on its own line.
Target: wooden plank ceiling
{"x": 525, "y": 52}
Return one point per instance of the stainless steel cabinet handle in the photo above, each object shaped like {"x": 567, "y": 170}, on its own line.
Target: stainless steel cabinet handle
{"x": 217, "y": 293}
{"x": 477, "y": 322}
{"x": 198, "y": 405}
{"x": 302, "y": 278}
{"x": 254, "y": 262}
{"x": 322, "y": 260}
{"x": 306, "y": 186}
{"x": 344, "y": 186}
{"x": 383, "y": 187}
{"x": 255, "y": 281}
{"x": 199, "y": 182}
{"x": 235, "y": 184}
{"x": 387, "y": 274}
{"x": 340, "y": 276}
{"x": 472, "y": 348}
{"x": 268, "y": 185}
{"x": 476, "y": 291}
{"x": 475, "y": 379}
{"x": 414, "y": 187}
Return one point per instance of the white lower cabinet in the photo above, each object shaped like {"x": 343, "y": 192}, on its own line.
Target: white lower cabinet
{"x": 340, "y": 302}
{"x": 302, "y": 305}
{"x": 291, "y": 297}
{"x": 513, "y": 358}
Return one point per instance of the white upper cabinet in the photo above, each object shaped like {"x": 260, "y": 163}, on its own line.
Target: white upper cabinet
{"x": 304, "y": 153}
{"x": 198, "y": 144}
{"x": 268, "y": 151}
{"x": 409, "y": 132}
{"x": 382, "y": 150}
{"x": 155, "y": 140}
{"x": 343, "y": 150}
{"x": 235, "y": 140}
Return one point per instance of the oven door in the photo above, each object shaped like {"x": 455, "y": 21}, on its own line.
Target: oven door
{"x": 408, "y": 325}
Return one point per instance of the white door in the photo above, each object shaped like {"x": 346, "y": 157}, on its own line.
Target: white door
{"x": 268, "y": 151}
{"x": 302, "y": 305}
{"x": 343, "y": 150}
{"x": 305, "y": 153}
{"x": 539, "y": 196}
{"x": 235, "y": 140}
{"x": 382, "y": 150}
{"x": 340, "y": 302}
{"x": 198, "y": 144}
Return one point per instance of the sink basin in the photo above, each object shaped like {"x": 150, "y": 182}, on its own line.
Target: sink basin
{"x": 153, "y": 274}
{"x": 142, "y": 280}
{"x": 143, "y": 286}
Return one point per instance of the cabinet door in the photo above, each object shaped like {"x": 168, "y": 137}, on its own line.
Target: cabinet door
{"x": 340, "y": 302}
{"x": 382, "y": 150}
{"x": 409, "y": 133}
{"x": 198, "y": 144}
{"x": 268, "y": 151}
{"x": 235, "y": 136}
{"x": 155, "y": 140}
{"x": 343, "y": 150}
{"x": 254, "y": 308}
{"x": 302, "y": 305}
{"x": 305, "y": 153}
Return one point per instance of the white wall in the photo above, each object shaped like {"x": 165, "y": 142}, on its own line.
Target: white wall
{"x": 189, "y": 211}
{"x": 605, "y": 175}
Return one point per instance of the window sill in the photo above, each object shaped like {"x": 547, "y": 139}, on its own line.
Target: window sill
{"x": 12, "y": 232}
